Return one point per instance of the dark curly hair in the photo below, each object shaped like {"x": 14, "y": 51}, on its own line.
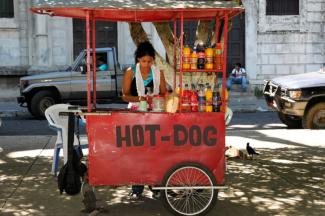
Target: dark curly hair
{"x": 144, "y": 49}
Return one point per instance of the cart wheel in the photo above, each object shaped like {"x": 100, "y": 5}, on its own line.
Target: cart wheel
{"x": 189, "y": 201}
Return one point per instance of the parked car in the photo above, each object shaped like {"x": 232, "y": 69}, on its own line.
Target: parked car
{"x": 298, "y": 99}
{"x": 38, "y": 92}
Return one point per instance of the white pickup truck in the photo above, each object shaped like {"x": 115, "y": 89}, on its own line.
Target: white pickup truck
{"x": 38, "y": 92}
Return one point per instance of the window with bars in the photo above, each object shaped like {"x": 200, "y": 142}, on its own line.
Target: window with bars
{"x": 282, "y": 7}
{"x": 6, "y": 8}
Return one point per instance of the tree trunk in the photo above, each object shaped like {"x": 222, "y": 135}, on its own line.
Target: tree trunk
{"x": 139, "y": 35}
{"x": 202, "y": 32}
{"x": 166, "y": 35}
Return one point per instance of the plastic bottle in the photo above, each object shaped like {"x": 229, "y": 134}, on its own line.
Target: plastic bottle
{"x": 186, "y": 99}
{"x": 218, "y": 57}
{"x": 215, "y": 100}
{"x": 208, "y": 58}
{"x": 208, "y": 99}
{"x": 201, "y": 99}
{"x": 201, "y": 60}
{"x": 194, "y": 99}
{"x": 186, "y": 57}
{"x": 177, "y": 90}
{"x": 206, "y": 87}
{"x": 194, "y": 58}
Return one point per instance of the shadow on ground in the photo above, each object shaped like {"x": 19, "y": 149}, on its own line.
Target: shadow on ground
{"x": 283, "y": 181}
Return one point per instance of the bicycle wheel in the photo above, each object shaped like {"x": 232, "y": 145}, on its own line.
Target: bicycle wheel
{"x": 191, "y": 191}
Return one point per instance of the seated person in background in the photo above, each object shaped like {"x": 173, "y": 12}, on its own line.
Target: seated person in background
{"x": 102, "y": 64}
{"x": 238, "y": 76}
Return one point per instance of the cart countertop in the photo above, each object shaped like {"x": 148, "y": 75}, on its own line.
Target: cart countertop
{"x": 138, "y": 10}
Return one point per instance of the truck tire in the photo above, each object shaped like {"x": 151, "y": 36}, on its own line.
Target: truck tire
{"x": 29, "y": 108}
{"x": 40, "y": 102}
{"x": 314, "y": 117}
{"x": 290, "y": 121}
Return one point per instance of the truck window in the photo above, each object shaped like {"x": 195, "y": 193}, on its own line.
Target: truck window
{"x": 102, "y": 63}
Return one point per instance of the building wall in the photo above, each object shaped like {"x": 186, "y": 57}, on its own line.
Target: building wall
{"x": 285, "y": 44}
{"x": 28, "y": 44}
{"x": 275, "y": 45}
{"x": 10, "y": 38}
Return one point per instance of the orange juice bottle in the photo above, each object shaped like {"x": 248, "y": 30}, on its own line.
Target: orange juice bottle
{"x": 208, "y": 99}
{"x": 208, "y": 58}
{"x": 186, "y": 57}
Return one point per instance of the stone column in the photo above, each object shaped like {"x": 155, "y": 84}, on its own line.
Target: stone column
{"x": 251, "y": 16}
{"x": 41, "y": 43}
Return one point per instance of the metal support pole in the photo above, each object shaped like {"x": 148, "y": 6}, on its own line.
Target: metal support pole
{"x": 88, "y": 63}
{"x": 216, "y": 33}
{"x": 217, "y": 26}
{"x": 181, "y": 62}
{"x": 224, "y": 70}
{"x": 94, "y": 57}
{"x": 175, "y": 59}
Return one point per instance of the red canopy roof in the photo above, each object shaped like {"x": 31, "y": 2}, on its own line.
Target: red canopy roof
{"x": 138, "y": 10}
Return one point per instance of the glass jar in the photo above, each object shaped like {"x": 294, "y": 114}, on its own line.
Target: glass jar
{"x": 158, "y": 103}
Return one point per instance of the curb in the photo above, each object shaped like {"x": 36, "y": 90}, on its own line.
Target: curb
{"x": 13, "y": 113}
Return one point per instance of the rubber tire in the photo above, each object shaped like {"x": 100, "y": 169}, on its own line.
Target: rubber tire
{"x": 290, "y": 121}
{"x": 29, "y": 108}
{"x": 171, "y": 171}
{"x": 307, "y": 121}
{"x": 36, "y": 101}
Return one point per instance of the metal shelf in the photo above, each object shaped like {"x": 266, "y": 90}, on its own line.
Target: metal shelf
{"x": 200, "y": 71}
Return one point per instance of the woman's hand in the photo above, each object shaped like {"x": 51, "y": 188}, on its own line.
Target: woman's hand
{"x": 149, "y": 99}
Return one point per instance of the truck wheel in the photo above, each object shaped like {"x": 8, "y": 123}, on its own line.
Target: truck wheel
{"x": 40, "y": 102}
{"x": 29, "y": 108}
{"x": 190, "y": 199}
{"x": 290, "y": 121}
{"x": 314, "y": 118}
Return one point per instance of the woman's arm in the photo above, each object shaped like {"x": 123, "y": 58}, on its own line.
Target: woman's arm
{"x": 126, "y": 88}
{"x": 162, "y": 87}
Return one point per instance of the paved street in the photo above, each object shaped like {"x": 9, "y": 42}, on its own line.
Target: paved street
{"x": 286, "y": 179}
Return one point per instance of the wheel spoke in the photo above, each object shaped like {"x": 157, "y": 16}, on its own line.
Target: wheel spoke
{"x": 189, "y": 201}
{"x": 197, "y": 202}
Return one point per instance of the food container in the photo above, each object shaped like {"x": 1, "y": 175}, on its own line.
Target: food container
{"x": 158, "y": 103}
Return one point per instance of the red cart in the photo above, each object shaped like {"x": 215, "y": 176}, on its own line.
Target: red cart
{"x": 181, "y": 154}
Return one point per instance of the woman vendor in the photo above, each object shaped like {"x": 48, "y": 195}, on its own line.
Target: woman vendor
{"x": 138, "y": 81}
{"x": 143, "y": 77}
